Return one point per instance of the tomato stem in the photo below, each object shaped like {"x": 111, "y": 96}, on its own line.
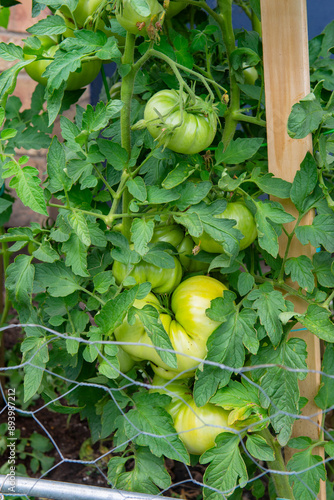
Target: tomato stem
{"x": 281, "y": 481}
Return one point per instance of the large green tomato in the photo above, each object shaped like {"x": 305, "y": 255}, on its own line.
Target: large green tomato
{"x": 136, "y": 23}
{"x": 188, "y": 135}
{"x": 188, "y": 331}
{"x": 174, "y": 235}
{"x": 199, "y": 427}
{"x": 244, "y": 222}
{"x": 84, "y": 9}
{"x": 162, "y": 280}
{"x": 78, "y": 79}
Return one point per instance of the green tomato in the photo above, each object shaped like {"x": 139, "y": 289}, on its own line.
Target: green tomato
{"x": 251, "y": 75}
{"x": 174, "y": 235}
{"x": 199, "y": 427}
{"x": 175, "y": 8}
{"x": 188, "y": 331}
{"x": 126, "y": 362}
{"x": 84, "y": 9}
{"x": 162, "y": 280}
{"x": 78, "y": 79}
{"x": 136, "y": 23}
{"x": 244, "y": 222}
{"x": 197, "y": 130}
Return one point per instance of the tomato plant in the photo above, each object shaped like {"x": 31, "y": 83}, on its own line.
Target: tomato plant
{"x": 155, "y": 299}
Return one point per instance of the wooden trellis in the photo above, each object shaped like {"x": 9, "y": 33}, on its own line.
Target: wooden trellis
{"x": 286, "y": 74}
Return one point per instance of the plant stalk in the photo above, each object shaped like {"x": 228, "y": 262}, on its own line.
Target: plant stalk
{"x": 281, "y": 481}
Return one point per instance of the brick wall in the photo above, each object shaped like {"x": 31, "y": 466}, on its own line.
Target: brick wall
{"x": 20, "y": 20}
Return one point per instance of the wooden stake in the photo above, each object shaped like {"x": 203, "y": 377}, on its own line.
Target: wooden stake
{"x": 286, "y": 76}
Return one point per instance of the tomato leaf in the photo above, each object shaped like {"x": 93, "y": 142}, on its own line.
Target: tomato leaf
{"x": 147, "y": 476}
{"x": 149, "y": 424}
{"x": 304, "y": 182}
{"x": 238, "y": 150}
{"x": 20, "y": 278}
{"x": 259, "y": 448}
{"x": 76, "y": 255}
{"x": 325, "y": 397}
{"x": 305, "y": 117}
{"x": 323, "y": 269}
{"x": 114, "y": 311}
{"x": 141, "y": 234}
{"x": 301, "y": 269}
{"x": 137, "y": 188}
{"x": 57, "y": 278}
{"x": 269, "y": 303}
{"x": 317, "y": 319}
{"x": 58, "y": 179}
{"x": 51, "y": 25}
{"x": 309, "y": 471}
{"x": 268, "y": 215}
{"x": 149, "y": 317}
{"x": 226, "y": 466}
{"x": 321, "y": 232}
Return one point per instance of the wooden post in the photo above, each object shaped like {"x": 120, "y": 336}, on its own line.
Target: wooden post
{"x": 286, "y": 76}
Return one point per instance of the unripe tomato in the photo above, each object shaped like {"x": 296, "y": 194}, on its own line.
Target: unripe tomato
{"x": 134, "y": 22}
{"x": 175, "y": 8}
{"x": 174, "y": 235}
{"x": 251, "y": 75}
{"x": 78, "y": 79}
{"x": 162, "y": 280}
{"x": 126, "y": 362}
{"x": 84, "y": 9}
{"x": 190, "y": 301}
{"x": 244, "y": 222}
{"x": 198, "y": 125}
{"x": 199, "y": 427}
{"x": 188, "y": 332}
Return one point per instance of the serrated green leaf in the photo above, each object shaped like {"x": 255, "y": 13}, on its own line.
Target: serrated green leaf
{"x": 245, "y": 283}
{"x": 46, "y": 253}
{"x": 149, "y": 317}
{"x": 317, "y": 320}
{"x": 78, "y": 223}
{"x": 159, "y": 258}
{"x": 178, "y": 175}
{"x": 103, "y": 281}
{"x": 304, "y": 182}
{"x": 259, "y": 448}
{"x": 149, "y": 424}
{"x": 10, "y": 52}
{"x": 323, "y": 269}
{"x": 305, "y": 117}
{"x": 273, "y": 185}
{"x": 114, "y": 153}
{"x": 20, "y": 277}
{"x": 58, "y": 180}
{"x": 267, "y": 235}
{"x": 137, "y": 188}
{"x": 114, "y": 311}
{"x": 269, "y": 303}
{"x": 76, "y": 255}
{"x": 238, "y": 150}
{"x": 310, "y": 470}
{"x": 57, "y": 278}
{"x": 325, "y": 397}
{"x": 51, "y": 25}
{"x": 226, "y": 467}
{"x": 141, "y": 234}
{"x": 321, "y": 232}
{"x": 301, "y": 269}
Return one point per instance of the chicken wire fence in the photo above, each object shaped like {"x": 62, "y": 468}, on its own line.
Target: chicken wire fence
{"x": 12, "y": 485}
